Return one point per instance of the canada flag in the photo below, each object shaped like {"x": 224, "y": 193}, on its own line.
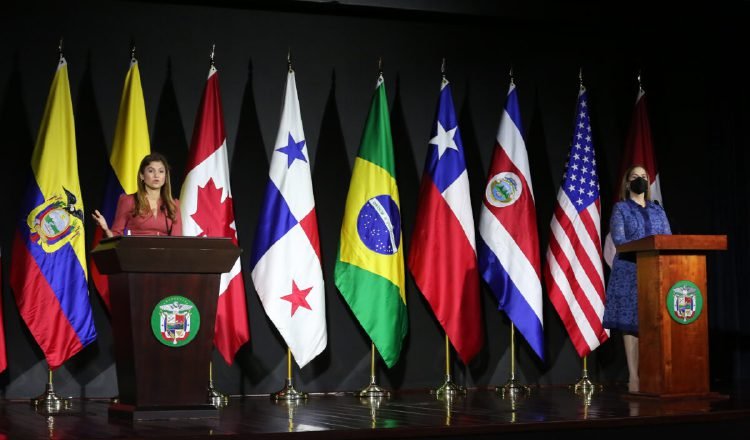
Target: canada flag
{"x": 207, "y": 211}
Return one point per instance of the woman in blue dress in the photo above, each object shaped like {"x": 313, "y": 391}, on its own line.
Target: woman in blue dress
{"x": 635, "y": 216}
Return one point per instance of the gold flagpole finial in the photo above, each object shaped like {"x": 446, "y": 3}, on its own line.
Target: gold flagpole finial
{"x": 640, "y": 84}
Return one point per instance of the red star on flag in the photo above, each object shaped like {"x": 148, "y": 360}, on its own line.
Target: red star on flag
{"x": 297, "y": 297}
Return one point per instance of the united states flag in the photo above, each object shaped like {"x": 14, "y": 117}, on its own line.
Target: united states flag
{"x": 573, "y": 271}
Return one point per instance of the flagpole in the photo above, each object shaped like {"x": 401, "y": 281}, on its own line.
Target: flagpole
{"x": 50, "y": 402}
{"x": 217, "y": 398}
{"x": 512, "y": 388}
{"x": 584, "y": 385}
{"x": 288, "y": 393}
{"x": 373, "y": 389}
{"x": 448, "y": 387}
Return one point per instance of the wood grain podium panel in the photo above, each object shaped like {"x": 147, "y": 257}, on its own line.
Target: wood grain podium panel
{"x": 157, "y": 381}
{"x": 673, "y": 357}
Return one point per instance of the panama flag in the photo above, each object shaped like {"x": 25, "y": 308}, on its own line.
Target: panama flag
{"x": 508, "y": 242}
{"x": 639, "y": 150}
{"x": 443, "y": 256}
{"x": 131, "y": 144}
{"x": 369, "y": 269}
{"x": 48, "y": 271}
{"x": 286, "y": 254}
{"x": 207, "y": 211}
{"x": 574, "y": 273}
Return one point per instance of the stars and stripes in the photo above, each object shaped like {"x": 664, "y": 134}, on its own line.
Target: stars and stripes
{"x": 573, "y": 271}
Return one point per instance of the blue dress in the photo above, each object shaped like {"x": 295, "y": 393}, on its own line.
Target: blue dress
{"x": 630, "y": 221}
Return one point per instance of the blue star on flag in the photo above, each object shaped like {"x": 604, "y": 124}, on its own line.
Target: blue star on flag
{"x": 293, "y": 150}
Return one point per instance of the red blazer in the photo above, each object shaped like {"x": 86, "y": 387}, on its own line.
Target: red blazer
{"x": 144, "y": 225}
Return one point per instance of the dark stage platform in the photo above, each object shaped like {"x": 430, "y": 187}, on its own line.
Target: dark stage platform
{"x": 548, "y": 412}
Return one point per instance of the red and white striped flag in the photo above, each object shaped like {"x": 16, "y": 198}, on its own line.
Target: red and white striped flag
{"x": 573, "y": 272}
{"x": 639, "y": 150}
{"x": 206, "y": 207}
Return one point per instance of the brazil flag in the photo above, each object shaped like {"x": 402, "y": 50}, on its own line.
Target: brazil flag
{"x": 369, "y": 269}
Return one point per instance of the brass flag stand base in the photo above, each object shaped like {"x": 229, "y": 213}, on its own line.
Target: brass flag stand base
{"x": 373, "y": 389}
{"x": 50, "y": 402}
{"x": 448, "y": 387}
{"x": 512, "y": 389}
{"x": 288, "y": 393}
{"x": 215, "y": 397}
{"x": 584, "y": 385}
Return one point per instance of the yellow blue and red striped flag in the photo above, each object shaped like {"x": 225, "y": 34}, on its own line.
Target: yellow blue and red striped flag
{"x": 131, "y": 144}
{"x": 48, "y": 271}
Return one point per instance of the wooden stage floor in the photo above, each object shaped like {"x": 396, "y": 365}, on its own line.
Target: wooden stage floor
{"x": 548, "y": 412}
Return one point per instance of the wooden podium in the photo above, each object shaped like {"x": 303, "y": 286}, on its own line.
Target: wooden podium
{"x": 673, "y": 335}
{"x": 163, "y": 294}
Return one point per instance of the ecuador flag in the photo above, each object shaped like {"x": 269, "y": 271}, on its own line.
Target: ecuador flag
{"x": 48, "y": 271}
{"x": 369, "y": 269}
{"x": 131, "y": 144}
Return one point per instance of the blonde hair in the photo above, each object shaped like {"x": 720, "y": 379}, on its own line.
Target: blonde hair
{"x": 141, "y": 202}
{"x": 625, "y": 190}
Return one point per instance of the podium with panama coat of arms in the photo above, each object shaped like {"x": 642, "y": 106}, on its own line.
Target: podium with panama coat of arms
{"x": 163, "y": 292}
{"x": 672, "y": 316}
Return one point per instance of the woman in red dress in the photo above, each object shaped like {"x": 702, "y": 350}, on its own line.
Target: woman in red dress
{"x": 151, "y": 210}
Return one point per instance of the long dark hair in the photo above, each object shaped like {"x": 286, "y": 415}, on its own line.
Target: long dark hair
{"x": 141, "y": 202}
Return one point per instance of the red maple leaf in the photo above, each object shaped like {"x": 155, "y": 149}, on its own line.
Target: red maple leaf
{"x": 213, "y": 216}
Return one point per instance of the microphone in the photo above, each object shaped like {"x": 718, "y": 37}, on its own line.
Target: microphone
{"x": 167, "y": 223}
{"x": 669, "y": 219}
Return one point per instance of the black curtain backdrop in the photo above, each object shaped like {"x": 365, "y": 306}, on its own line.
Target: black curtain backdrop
{"x": 693, "y": 71}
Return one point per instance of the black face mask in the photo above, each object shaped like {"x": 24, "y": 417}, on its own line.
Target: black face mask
{"x": 638, "y": 185}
